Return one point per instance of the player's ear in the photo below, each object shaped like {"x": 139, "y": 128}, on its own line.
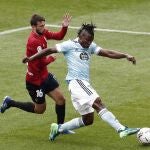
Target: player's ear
{"x": 33, "y": 26}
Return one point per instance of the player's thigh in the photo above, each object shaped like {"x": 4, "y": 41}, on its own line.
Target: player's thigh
{"x": 57, "y": 96}
{"x": 82, "y": 92}
{"x": 38, "y": 97}
{"x": 50, "y": 84}
{"x": 83, "y": 109}
{"x": 51, "y": 88}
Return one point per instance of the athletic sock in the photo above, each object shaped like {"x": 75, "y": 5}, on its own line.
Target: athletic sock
{"x": 108, "y": 117}
{"x": 71, "y": 125}
{"x": 26, "y": 106}
{"x": 60, "y": 111}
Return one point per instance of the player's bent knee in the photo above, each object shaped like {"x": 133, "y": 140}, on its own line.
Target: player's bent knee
{"x": 40, "y": 108}
{"x": 60, "y": 101}
{"x": 88, "y": 122}
{"x": 98, "y": 105}
{"x": 40, "y": 111}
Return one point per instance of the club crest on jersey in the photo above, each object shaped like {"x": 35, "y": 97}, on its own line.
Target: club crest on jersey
{"x": 84, "y": 56}
{"x": 39, "y": 49}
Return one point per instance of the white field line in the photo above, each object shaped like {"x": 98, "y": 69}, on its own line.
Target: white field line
{"x": 72, "y": 27}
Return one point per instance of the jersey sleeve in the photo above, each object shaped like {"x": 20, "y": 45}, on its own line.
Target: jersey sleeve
{"x": 46, "y": 60}
{"x": 63, "y": 47}
{"x": 95, "y": 49}
{"x": 55, "y": 35}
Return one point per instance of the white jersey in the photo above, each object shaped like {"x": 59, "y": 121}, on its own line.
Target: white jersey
{"x": 78, "y": 58}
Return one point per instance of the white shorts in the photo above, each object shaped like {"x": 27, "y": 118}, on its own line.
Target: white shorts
{"x": 83, "y": 96}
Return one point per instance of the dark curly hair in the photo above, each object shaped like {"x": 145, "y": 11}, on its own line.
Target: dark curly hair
{"x": 88, "y": 27}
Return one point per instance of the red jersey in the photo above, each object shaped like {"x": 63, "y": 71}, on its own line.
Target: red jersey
{"x": 37, "y": 70}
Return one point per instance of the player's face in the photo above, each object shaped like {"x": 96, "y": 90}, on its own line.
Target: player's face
{"x": 40, "y": 27}
{"x": 85, "y": 39}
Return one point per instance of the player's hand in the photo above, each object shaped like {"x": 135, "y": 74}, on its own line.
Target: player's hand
{"x": 25, "y": 60}
{"x": 66, "y": 20}
{"x": 54, "y": 56}
{"x": 131, "y": 58}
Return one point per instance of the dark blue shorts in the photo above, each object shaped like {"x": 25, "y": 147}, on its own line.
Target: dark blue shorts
{"x": 37, "y": 93}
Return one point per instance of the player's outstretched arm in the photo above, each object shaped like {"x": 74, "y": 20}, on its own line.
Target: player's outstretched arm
{"x": 116, "y": 55}
{"x": 44, "y": 52}
{"x": 59, "y": 35}
{"x": 66, "y": 20}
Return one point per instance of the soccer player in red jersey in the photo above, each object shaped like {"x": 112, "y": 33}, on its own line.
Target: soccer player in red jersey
{"x": 38, "y": 80}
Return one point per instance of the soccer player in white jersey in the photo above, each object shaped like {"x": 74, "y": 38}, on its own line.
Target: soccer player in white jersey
{"x": 84, "y": 98}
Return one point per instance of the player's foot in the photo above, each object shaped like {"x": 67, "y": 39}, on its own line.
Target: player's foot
{"x": 68, "y": 132}
{"x": 64, "y": 131}
{"x": 5, "y": 105}
{"x": 128, "y": 131}
{"x": 54, "y": 131}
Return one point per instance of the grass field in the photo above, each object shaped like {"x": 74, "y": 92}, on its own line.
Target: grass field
{"x": 124, "y": 88}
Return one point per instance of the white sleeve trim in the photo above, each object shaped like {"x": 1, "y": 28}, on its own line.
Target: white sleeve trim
{"x": 58, "y": 47}
{"x": 98, "y": 49}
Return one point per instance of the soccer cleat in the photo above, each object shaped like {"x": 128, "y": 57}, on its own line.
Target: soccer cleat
{"x": 5, "y": 105}
{"x": 64, "y": 131}
{"x": 68, "y": 132}
{"x": 54, "y": 131}
{"x": 128, "y": 131}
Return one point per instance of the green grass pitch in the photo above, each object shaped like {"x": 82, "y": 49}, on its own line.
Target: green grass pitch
{"x": 124, "y": 88}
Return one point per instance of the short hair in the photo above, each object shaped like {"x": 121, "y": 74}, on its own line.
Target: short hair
{"x": 88, "y": 27}
{"x": 36, "y": 18}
